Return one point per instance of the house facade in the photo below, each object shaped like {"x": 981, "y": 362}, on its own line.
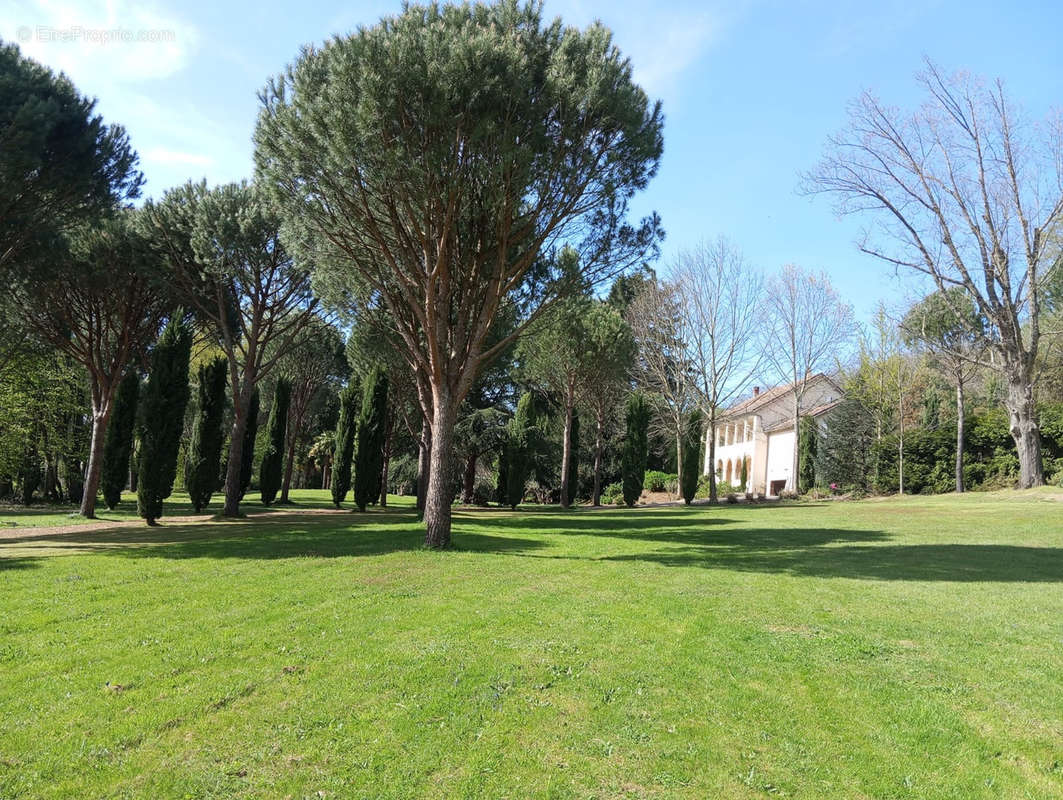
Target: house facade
{"x": 759, "y": 432}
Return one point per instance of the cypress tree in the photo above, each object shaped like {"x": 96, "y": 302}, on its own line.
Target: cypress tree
{"x": 691, "y": 456}
{"x": 807, "y": 445}
{"x": 247, "y": 454}
{"x": 162, "y": 414}
{"x": 344, "y": 451}
{"x": 119, "y": 442}
{"x": 573, "y": 467}
{"x": 744, "y": 485}
{"x": 518, "y": 449}
{"x": 635, "y": 448}
{"x": 501, "y": 492}
{"x": 270, "y": 472}
{"x": 202, "y": 466}
{"x": 370, "y": 458}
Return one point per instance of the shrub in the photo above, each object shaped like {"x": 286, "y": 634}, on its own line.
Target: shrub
{"x": 732, "y": 498}
{"x": 613, "y": 494}
{"x": 657, "y": 481}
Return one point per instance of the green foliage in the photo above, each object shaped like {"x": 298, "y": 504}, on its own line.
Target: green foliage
{"x": 520, "y": 449}
{"x": 247, "y": 453}
{"x": 692, "y": 439}
{"x": 573, "y": 467}
{"x": 162, "y": 410}
{"x": 202, "y": 465}
{"x": 843, "y": 452}
{"x": 346, "y": 429}
{"x": 744, "y": 479}
{"x": 657, "y": 481}
{"x": 60, "y": 165}
{"x": 808, "y": 441}
{"x": 119, "y": 443}
{"x": 613, "y": 494}
{"x": 371, "y": 430}
{"x": 635, "y": 447}
{"x": 272, "y": 466}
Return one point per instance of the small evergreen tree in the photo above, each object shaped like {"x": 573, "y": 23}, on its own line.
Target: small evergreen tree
{"x": 807, "y": 458}
{"x": 202, "y": 464}
{"x": 635, "y": 448}
{"x": 346, "y": 428}
{"x": 119, "y": 442}
{"x": 573, "y": 469}
{"x": 247, "y": 454}
{"x": 519, "y": 454}
{"x": 162, "y": 413}
{"x": 745, "y": 475}
{"x": 691, "y": 456}
{"x": 371, "y": 422}
{"x": 501, "y": 490}
{"x": 272, "y": 468}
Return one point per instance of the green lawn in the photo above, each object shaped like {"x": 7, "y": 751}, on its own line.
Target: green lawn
{"x": 897, "y": 648}
{"x": 177, "y": 505}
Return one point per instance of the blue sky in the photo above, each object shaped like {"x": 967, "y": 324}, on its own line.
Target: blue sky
{"x": 751, "y": 90}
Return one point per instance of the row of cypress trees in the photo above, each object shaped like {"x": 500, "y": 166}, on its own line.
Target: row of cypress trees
{"x": 360, "y": 434}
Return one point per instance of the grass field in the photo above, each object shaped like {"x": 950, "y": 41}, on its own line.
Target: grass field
{"x": 903, "y": 648}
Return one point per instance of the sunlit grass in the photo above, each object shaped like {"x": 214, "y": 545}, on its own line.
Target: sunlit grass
{"x": 903, "y": 648}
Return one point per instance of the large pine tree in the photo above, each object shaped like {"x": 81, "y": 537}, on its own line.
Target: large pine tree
{"x": 119, "y": 442}
{"x": 162, "y": 413}
{"x": 204, "y": 454}
{"x": 350, "y": 405}
{"x": 270, "y": 472}
{"x": 371, "y": 429}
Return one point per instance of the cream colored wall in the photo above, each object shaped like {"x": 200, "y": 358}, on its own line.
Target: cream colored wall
{"x": 781, "y": 457}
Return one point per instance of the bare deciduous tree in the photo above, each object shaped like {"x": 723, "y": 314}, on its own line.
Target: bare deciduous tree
{"x": 720, "y": 300}
{"x": 808, "y": 326}
{"x": 966, "y": 193}
{"x": 662, "y": 367}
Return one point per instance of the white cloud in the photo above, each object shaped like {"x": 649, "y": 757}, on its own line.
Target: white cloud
{"x": 100, "y": 41}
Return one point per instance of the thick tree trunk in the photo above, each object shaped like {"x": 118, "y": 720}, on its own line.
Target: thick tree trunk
{"x": 713, "y": 496}
{"x": 599, "y": 428}
{"x": 389, "y": 437}
{"x": 437, "y": 511}
{"x": 326, "y": 473}
{"x": 424, "y": 458}
{"x": 959, "y": 435}
{"x": 1022, "y": 414}
{"x": 100, "y": 417}
{"x": 794, "y": 485}
{"x": 679, "y": 455}
{"x": 468, "y": 483}
{"x": 566, "y": 456}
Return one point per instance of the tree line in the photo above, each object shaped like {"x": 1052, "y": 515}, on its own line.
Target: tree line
{"x": 412, "y": 283}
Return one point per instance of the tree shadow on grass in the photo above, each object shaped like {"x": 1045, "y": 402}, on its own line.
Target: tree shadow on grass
{"x": 707, "y": 541}
{"x": 274, "y": 537}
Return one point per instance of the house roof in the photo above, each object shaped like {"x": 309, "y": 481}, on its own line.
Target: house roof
{"x": 750, "y": 405}
{"x": 788, "y": 424}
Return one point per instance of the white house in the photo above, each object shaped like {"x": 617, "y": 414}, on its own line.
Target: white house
{"x": 760, "y": 431}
